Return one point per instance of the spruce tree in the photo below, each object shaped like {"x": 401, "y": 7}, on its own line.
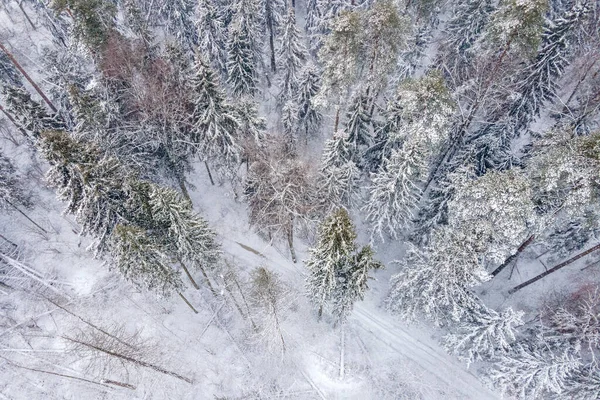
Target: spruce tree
{"x": 273, "y": 16}
{"x": 215, "y": 126}
{"x": 242, "y": 68}
{"x": 212, "y": 36}
{"x": 357, "y": 126}
{"x": 12, "y": 192}
{"x": 179, "y": 21}
{"x": 484, "y": 334}
{"x": 333, "y": 252}
{"x": 290, "y": 58}
{"x": 339, "y": 176}
{"x": 139, "y": 258}
{"x": 309, "y": 116}
{"x": 8, "y": 74}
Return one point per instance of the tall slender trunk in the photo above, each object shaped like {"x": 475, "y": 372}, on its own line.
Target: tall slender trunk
{"x": 342, "y": 350}
{"x": 11, "y": 119}
{"x": 187, "y": 302}
{"x": 26, "y": 75}
{"x": 290, "y": 238}
{"x": 187, "y": 272}
{"x": 337, "y": 119}
{"x": 269, "y": 16}
{"x": 26, "y": 16}
{"x": 510, "y": 259}
{"x": 554, "y": 269}
{"x": 184, "y": 190}
{"x": 209, "y": 173}
{"x": 128, "y": 358}
{"x": 26, "y": 216}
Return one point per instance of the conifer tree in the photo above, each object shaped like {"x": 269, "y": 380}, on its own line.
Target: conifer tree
{"x": 93, "y": 20}
{"x": 395, "y": 191}
{"x": 467, "y": 23}
{"x": 140, "y": 259}
{"x": 539, "y": 82}
{"x": 357, "y": 126}
{"x": 484, "y": 334}
{"x": 339, "y": 176}
{"x": 313, "y": 16}
{"x": 12, "y": 192}
{"x": 8, "y": 74}
{"x": 212, "y": 36}
{"x": 309, "y": 116}
{"x": 436, "y": 279}
{"x": 333, "y": 252}
{"x": 351, "y": 282}
{"x": 273, "y": 15}
{"x": 291, "y": 56}
{"x": 30, "y": 116}
{"x": 241, "y": 63}
{"x": 179, "y": 20}
{"x": 215, "y": 127}
{"x": 534, "y": 373}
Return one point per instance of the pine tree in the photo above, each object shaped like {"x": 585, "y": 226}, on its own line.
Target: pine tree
{"x": 395, "y": 191}
{"x": 8, "y": 74}
{"x": 313, "y": 16}
{"x": 140, "y": 259}
{"x": 351, "y": 282}
{"x": 12, "y": 192}
{"x": 309, "y": 116}
{"x": 484, "y": 334}
{"x": 91, "y": 184}
{"x": 215, "y": 127}
{"x": 212, "y": 36}
{"x": 467, "y": 23}
{"x": 273, "y": 15}
{"x": 93, "y": 20}
{"x": 179, "y": 21}
{"x": 496, "y": 211}
{"x": 533, "y": 373}
{"x": 194, "y": 241}
{"x": 333, "y": 252}
{"x": 291, "y": 56}
{"x": 436, "y": 279}
{"x": 30, "y": 116}
{"x": 420, "y": 113}
{"x": 540, "y": 77}
{"x": 289, "y": 120}
{"x": 241, "y": 62}
{"x": 339, "y": 176}
{"x": 358, "y": 125}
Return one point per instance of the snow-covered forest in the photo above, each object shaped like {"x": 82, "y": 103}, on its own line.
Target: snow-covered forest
{"x": 300, "y": 199}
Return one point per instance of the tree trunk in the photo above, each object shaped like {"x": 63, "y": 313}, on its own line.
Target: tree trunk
{"x": 187, "y": 272}
{"x": 26, "y": 16}
{"x": 337, "y": 119}
{"x": 187, "y": 302}
{"x": 554, "y": 269}
{"x": 184, "y": 190}
{"x": 26, "y": 216}
{"x": 11, "y": 119}
{"x": 507, "y": 262}
{"x": 290, "y": 237}
{"x": 269, "y": 15}
{"x": 130, "y": 359}
{"x": 342, "y": 351}
{"x": 209, "y": 174}
{"x": 22, "y": 71}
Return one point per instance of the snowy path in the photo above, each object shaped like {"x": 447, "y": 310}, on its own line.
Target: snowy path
{"x": 433, "y": 360}
{"x": 382, "y": 332}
